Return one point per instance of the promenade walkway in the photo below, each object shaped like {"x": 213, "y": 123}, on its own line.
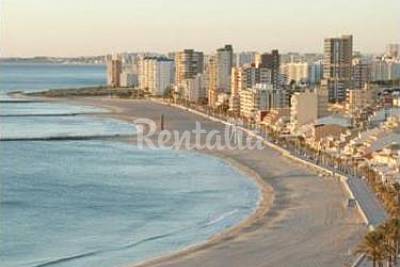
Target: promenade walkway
{"x": 372, "y": 210}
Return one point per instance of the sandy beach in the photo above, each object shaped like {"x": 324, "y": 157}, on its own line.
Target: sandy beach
{"x": 302, "y": 220}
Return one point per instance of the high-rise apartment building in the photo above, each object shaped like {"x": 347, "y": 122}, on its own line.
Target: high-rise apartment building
{"x": 193, "y": 89}
{"x": 271, "y": 61}
{"x": 262, "y": 97}
{"x": 212, "y": 81}
{"x": 188, "y": 64}
{"x": 156, "y": 74}
{"x": 249, "y": 76}
{"x": 114, "y": 70}
{"x": 245, "y": 58}
{"x": 252, "y": 101}
{"x": 246, "y": 77}
{"x": 224, "y": 61}
{"x": 234, "y": 100}
{"x": 338, "y": 56}
{"x": 315, "y": 72}
{"x": 128, "y": 79}
{"x": 360, "y": 73}
{"x": 385, "y": 69}
{"x": 297, "y": 72}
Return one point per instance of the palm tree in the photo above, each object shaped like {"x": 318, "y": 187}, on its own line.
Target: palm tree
{"x": 393, "y": 208}
{"x": 374, "y": 247}
{"x": 389, "y": 235}
{"x": 392, "y": 228}
{"x": 396, "y": 187}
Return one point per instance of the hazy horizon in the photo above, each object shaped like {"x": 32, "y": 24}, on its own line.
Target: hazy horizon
{"x": 91, "y": 28}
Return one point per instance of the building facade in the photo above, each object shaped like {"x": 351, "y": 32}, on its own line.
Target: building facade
{"x": 323, "y": 101}
{"x": 297, "y": 72}
{"x": 114, "y": 70}
{"x": 337, "y": 74}
{"x": 315, "y": 72}
{"x": 383, "y": 69}
{"x": 244, "y": 77}
{"x": 271, "y": 61}
{"x": 262, "y": 97}
{"x": 188, "y": 63}
{"x": 248, "y": 76}
{"x": 245, "y": 58}
{"x": 156, "y": 74}
{"x": 252, "y": 100}
{"x": 234, "y": 100}
{"x": 361, "y": 73}
{"x": 129, "y": 79}
{"x": 304, "y": 109}
{"x": 212, "y": 81}
{"x": 194, "y": 90}
{"x": 224, "y": 62}
{"x": 359, "y": 99}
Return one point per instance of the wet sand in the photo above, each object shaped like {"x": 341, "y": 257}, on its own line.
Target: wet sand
{"x": 303, "y": 219}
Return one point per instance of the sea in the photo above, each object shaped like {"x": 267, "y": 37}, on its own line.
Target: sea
{"x": 82, "y": 203}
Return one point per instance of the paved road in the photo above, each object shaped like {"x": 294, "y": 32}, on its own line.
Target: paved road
{"x": 368, "y": 202}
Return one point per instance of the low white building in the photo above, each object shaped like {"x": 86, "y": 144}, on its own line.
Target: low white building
{"x": 194, "y": 89}
{"x": 304, "y": 109}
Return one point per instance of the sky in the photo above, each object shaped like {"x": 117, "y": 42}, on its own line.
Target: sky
{"x": 96, "y": 27}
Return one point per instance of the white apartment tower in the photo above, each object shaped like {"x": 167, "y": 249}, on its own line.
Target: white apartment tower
{"x": 212, "y": 81}
{"x": 156, "y": 74}
{"x": 262, "y": 97}
{"x": 224, "y": 61}
{"x": 296, "y": 71}
{"x": 246, "y": 77}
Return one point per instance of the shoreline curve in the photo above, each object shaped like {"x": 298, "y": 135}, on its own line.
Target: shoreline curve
{"x": 264, "y": 204}
{"x": 331, "y": 234}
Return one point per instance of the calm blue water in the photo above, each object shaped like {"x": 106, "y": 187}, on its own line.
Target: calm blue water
{"x": 101, "y": 203}
{"x": 12, "y": 108}
{"x": 36, "y": 77}
{"x": 25, "y": 127}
